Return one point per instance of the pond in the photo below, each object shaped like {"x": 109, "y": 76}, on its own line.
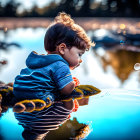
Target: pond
{"x": 109, "y": 66}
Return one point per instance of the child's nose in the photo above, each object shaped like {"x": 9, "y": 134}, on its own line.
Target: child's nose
{"x": 80, "y": 61}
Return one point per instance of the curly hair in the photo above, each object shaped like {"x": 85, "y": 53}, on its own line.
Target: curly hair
{"x": 64, "y": 30}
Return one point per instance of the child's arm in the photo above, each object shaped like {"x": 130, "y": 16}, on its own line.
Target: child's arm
{"x": 68, "y": 89}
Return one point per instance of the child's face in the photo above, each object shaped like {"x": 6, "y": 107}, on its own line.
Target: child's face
{"x": 73, "y": 56}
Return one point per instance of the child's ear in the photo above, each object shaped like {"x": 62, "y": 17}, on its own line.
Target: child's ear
{"x": 61, "y": 48}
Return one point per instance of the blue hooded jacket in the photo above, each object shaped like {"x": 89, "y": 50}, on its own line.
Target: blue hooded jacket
{"x": 44, "y": 74}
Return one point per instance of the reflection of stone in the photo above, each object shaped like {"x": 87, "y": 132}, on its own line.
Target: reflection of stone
{"x": 83, "y": 132}
{"x": 71, "y": 129}
{"x": 83, "y": 101}
{"x": 6, "y": 94}
{"x": 5, "y": 46}
{"x": 122, "y": 62}
{"x": 2, "y": 63}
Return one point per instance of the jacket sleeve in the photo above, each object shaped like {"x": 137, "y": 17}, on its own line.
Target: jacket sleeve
{"x": 62, "y": 76}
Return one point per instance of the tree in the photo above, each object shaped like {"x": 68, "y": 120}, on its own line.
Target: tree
{"x": 10, "y": 9}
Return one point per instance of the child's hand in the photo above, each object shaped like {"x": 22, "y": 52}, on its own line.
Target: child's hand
{"x": 76, "y": 81}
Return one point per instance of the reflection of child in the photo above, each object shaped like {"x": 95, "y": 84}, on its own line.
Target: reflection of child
{"x": 50, "y": 74}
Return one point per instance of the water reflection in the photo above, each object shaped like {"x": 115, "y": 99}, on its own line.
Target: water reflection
{"x": 120, "y": 50}
{"x": 122, "y": 62}
{"x": 72, "y": 129}
{"x": 113, "y": 114}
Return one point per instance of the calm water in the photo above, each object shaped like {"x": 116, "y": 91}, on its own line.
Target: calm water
{"x": 113, "y": 114}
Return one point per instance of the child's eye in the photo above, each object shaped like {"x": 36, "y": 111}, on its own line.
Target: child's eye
{"x": 80, "y": 54}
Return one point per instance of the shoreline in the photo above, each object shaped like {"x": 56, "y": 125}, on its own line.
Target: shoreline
{"x": 88, "y": 23}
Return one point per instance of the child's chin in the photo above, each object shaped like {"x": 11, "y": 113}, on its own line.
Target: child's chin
{"x": 72, "y": 68}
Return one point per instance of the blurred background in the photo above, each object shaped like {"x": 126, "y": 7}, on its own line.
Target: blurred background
{"x": 114, "y": 26}
{"x": 76, "y": 8}
{"x": 112, "y": 65}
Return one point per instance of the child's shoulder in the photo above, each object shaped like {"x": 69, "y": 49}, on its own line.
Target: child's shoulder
{"x": 56, "y": 62}
{"x": 58, "y": 65}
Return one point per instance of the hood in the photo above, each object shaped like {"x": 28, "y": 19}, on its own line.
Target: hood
{"x": 38, "y": 61}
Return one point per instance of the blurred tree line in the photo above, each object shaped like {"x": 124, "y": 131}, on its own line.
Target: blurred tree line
{"x": 77, "y": 8}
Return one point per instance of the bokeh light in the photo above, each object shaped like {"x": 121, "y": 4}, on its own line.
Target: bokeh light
{"x": 137, "y": 66}
{"x": 122, "y": 26}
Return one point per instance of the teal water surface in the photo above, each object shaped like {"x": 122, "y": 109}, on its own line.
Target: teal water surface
{"x": 113, "y": 114}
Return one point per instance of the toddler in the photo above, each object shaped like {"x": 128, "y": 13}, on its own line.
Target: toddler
{"x": 49, "y": 76}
